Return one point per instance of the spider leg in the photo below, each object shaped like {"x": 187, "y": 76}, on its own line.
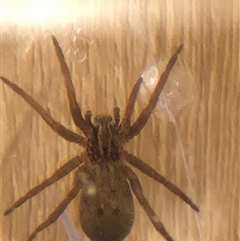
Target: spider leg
{"x": 56, "y": 126}
{"x": 125, "y": 124}
{"x": 146, "y": 113}
{"x": 149, "y": 171}
{"x": 58, "y": 211}
{"x": 137, "y": 190}
{"x": 58, "y": 174}
{"x": 74, "y": 107}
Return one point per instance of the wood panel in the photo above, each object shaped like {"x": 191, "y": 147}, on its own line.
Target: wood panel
{"x": 108, "y": 44}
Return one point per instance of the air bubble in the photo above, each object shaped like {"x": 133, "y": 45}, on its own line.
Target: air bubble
{"x": 178, "y": 93}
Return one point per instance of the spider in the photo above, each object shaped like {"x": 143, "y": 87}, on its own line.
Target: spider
{"x": 104, "y": 176}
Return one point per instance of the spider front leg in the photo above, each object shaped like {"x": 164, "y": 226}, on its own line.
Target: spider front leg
{"x": 141, "y": 121}
{"x": 137, "y": 190}
{"x": 74, "y": 107}
{"x": 56, "y": 126}
{"x": 58, "y": 174}
{"x": 126, "y": 120}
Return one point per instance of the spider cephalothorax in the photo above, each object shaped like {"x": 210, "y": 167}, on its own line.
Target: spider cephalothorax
{"x": 105, "y": 141}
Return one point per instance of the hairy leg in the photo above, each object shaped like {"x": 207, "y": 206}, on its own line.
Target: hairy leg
{"x": 125, "y": 124}
{"x": 148, "y": 170}
{"x": 146, "y": 113}
{"x": 137, "y": 190}
{"x": 56, "y": 126}
{"x": 58, "y": 211}
{"x": 74, "y": 107}
{"x": 57, "y": 175}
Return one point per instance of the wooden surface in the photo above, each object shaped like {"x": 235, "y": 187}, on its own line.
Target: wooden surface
{"x": 117, "y": 41}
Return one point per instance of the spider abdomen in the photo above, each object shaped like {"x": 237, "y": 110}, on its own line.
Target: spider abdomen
{"x": 106, "y": 204}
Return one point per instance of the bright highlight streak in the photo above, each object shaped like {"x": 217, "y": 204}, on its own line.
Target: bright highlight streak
{"x": 30, "y": 12}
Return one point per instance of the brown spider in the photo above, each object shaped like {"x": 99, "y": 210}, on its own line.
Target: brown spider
{"x": 103, "y": 174}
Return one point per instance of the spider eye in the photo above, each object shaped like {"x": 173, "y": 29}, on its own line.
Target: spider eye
{"x": 102, "y": 120}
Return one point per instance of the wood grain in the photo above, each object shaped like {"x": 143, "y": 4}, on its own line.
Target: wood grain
{"x": 117, "y": 41}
